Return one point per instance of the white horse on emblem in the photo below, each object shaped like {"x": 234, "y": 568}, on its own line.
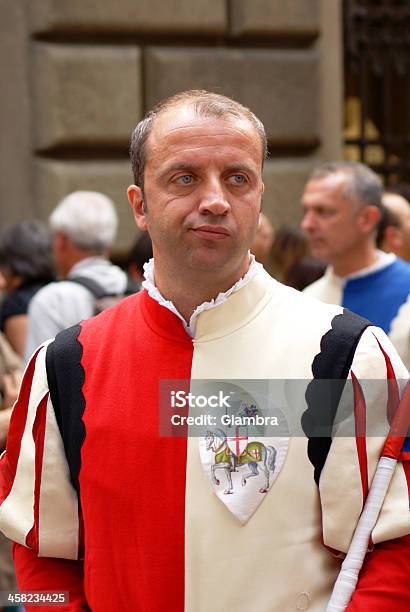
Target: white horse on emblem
{"x": 259, "y": 458}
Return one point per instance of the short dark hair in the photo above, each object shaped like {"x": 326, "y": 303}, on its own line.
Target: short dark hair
{"x": 363, "y": 184}
{"x": 205, "y": 104}
{"x": 25, "y": 251}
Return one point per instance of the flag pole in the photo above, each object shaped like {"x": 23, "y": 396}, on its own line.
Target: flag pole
{"x": 346, "y": 582}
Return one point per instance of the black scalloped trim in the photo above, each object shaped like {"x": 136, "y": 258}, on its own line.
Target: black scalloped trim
{"x": 330, "y": 369}
{"x": 65, "y": 375}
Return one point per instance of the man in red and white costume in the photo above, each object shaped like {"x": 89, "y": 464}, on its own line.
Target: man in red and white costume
{"x": 101, "y": 505}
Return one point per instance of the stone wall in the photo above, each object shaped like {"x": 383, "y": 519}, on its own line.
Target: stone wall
{"x": 81, "y": 73}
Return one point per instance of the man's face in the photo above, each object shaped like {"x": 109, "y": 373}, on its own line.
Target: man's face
{"x": 202, "y": 190}
{"x": 333, "y": 224}
{"x": 400, "y": 207}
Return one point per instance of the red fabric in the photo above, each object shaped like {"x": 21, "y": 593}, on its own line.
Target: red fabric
{"x": 384, "y": 580}
{"x": 43, "y": 574}
{"x": 399, "y": 427}
{"x": 132, "y": 480}
{"x": 8, "y": 463}
{"x": 360, "y": 433}
{"x": 393, "y": 388}
{"x": 38, "y": 435}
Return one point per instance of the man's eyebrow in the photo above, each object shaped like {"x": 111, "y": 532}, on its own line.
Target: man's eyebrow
{"x": 317, "y": 206}
{"x": 241, "y": 167}
{"x": 174, "y": 167}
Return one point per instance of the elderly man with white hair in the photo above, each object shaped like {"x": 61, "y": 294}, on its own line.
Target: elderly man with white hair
{"x": 84, "y": 226}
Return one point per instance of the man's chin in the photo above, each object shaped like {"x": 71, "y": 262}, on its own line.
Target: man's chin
{"x": 320, "y": 251}
{"x": 210, "y": 265}
{"x": 213, "y": 261}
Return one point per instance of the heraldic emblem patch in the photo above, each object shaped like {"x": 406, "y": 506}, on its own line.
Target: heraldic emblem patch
{"x": 242, "y": 459}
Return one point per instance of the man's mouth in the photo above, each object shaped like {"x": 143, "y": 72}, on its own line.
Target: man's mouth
{"x": 211, "y": 232}
{"x": 315, "y": 240}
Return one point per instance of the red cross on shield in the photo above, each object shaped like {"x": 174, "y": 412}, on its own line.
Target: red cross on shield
{"x": 237, "y": 442}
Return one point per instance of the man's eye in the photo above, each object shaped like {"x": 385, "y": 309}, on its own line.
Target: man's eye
{"x": 185, "y": 179}
{"x": 238, "y": 179}
{"x": 325, "y": 212}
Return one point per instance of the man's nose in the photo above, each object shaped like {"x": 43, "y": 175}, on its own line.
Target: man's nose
{"x": 213, "y": 199}
{"x": 307, "y": 222}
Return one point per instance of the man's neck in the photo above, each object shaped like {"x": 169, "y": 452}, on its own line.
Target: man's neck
{"x": 355, "y": 262}
{"x": 192, "y": 290}
{"x": 73, "y": 261}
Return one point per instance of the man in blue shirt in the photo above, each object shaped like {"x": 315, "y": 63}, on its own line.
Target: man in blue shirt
{"x": 342, "y": 209}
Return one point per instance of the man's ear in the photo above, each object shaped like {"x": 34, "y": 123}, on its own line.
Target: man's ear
{"x": 136, "y": 201}
{"x": 60, "y": 241}
{"x": 370, "y": 217}
{"x": 262, "y": 192}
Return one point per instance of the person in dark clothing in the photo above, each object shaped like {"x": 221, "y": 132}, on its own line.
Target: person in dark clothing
{"x": 26, "y": 266}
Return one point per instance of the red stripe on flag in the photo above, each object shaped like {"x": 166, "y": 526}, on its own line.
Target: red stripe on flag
{"x": 360, "y": 432}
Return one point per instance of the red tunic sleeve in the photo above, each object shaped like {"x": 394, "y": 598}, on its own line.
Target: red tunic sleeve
{"x": 384, "y": 582}
{"x": 42, "y": 519}
{"x": 47, "y": 574}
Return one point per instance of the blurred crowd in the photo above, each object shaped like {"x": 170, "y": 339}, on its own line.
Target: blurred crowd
{"x": 352, "y": 248}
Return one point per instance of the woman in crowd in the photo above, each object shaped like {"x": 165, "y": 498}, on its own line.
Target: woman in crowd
{"x": 26, "y": 266}
{"x": 292, "y": 263}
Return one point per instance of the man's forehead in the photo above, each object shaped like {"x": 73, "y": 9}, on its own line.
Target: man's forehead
{"x": 335, "y": 183}
{"x": 331, "y": 188}
{"x": 183, "y": 123}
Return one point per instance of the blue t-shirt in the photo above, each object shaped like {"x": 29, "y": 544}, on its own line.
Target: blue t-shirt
{"x": 379, "y": 295}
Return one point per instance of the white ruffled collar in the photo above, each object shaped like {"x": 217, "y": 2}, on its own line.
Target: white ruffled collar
{"x": 149, "y": 284}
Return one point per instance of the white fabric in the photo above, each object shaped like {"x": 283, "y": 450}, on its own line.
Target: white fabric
{"x": 17, "y": 510}
{"x": 58, "y": 504}
{"x": 149, "y": 284}
{"x": 62, "y": 304}
{"x": 400, "y": 332}
{"x": 248, "y": 338}
{"x": 341, "y": 471}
